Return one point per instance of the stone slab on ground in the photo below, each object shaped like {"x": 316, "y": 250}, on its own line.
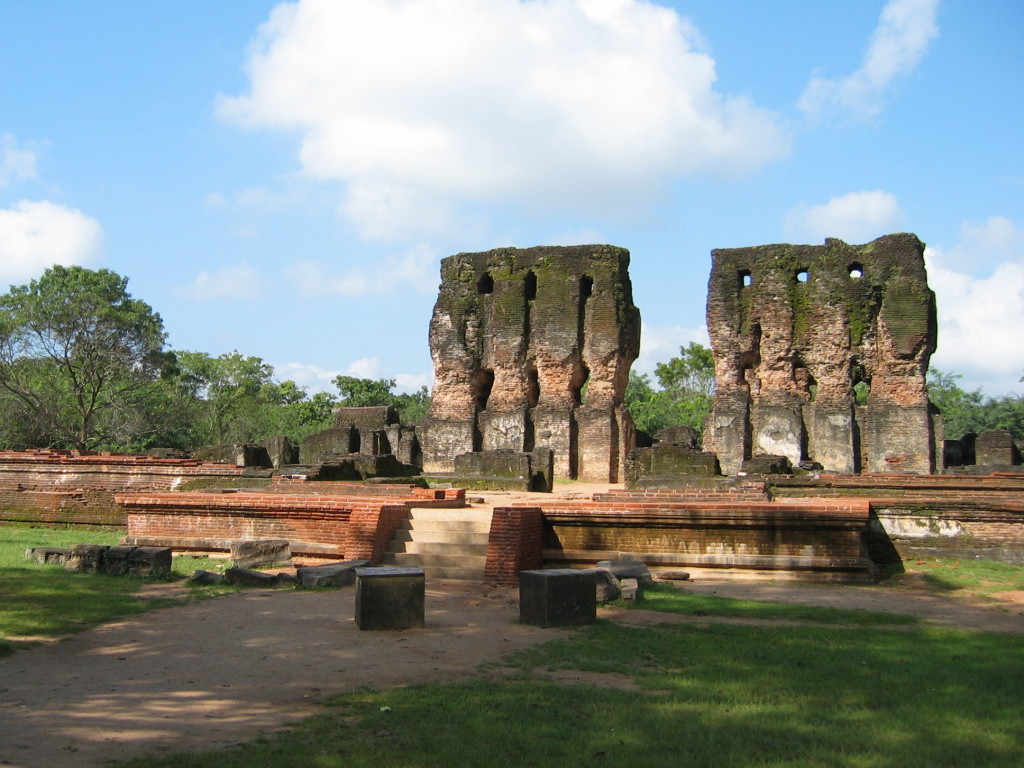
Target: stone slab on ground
{"x": 329, "y": 575}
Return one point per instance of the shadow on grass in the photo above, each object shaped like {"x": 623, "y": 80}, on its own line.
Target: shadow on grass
{"x": 47, "y": 601}
{"x": 717, "y": 695}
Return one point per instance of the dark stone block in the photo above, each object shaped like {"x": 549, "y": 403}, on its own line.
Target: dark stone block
{"x": 608, "y": 587}
{"x": 149, "y": 561}
{"x": 48, "y": 555}
{"x": 331, "y": 575}
{"x": 767, "y": 465}
{"x": 255, "y": 552}
{"x": 244, "y": 577}
{"x": 115, "y": 562}
{"x": 207, "y": 577}
{"x": 86, "y": 558}
{"x": 628, "y": 569}
{"x": 558, "y": 598}
{"x": 390, "y": 598}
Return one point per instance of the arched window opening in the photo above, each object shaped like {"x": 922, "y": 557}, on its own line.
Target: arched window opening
{"x": 579, "y": 386}
{"x": 856, "y": 271}
{"x": 586, "y": 287}
{"x": 801, "y": 276}
{"x": 485, "y": 284}
{"x": 530, "y": 286}
{"x": 484, "y": 383}
{"x": 532, "y": 386}
{"x": 746, "y": 279}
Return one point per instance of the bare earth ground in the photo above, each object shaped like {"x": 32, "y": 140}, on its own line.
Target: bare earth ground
{"x": 213, "y": 673}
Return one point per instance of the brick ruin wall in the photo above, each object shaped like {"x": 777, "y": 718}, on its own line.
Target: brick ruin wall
{"x": 532, "y": 349}
{"x": 795, "y": 328}
{"x": 72, "y": 488}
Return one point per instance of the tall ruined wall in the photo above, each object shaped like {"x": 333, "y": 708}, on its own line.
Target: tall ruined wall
{"x": 532, "y": 349}
{"x": 795, "y": 328}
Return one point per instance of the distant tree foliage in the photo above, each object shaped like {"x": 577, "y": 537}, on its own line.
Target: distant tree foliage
{"x": 357, "y": 393}
{"x": 79, "y": 358}
{"x": 973, "y": 412}
{"x": 686, "y": 386}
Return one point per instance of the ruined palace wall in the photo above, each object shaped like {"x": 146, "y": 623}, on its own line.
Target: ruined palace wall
{"x": 795, "y": 328}
{"x": 78, "y": 488}
{"x": 531, "y": 349}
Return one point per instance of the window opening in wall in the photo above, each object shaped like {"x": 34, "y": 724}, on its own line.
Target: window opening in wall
{"x": 579, "y": 386}
{"x": 586, "y": 287}
{"x": 485, "y": 284}
{"x": 801, "y": 276}
{"x": 530, "y": 286}
{"x": 532, "y": 386}
{"x": 484, "y": 383}
{"x": 861, "y": 392}
{"x": 354, "y": 440}
{"x": 746, "y": 279}
{"x": 856, "y": 271}
{"x": 383, "y": 445}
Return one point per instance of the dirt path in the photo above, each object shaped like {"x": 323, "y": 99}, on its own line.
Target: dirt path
{"x": 214, "y": 673}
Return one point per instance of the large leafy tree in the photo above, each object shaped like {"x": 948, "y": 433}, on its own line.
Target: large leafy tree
{"x": 683, "y": 396}
{"x": 964, "y": 412}
{"x": 78, "y": 357}
{"x": 356, "y": 392}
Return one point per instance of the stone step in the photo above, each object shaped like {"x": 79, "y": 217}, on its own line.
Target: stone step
{"x": 434, "y": 560}
{"x": 457, "y": 538}
{"x": 465, "y": 514}
{"x": 439, "y": 548}
{"x": 465, "y": 526}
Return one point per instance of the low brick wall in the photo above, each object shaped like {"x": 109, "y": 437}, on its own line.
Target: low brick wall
{"x": 72, "y": 488}
{"x": 326, "y": 524}
{"x": 957, "y": 516}
{"x": 515, "y": 543}
{"x": 820, "y": 541}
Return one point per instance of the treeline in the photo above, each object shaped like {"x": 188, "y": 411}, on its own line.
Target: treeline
{"x": 84, "y": 365}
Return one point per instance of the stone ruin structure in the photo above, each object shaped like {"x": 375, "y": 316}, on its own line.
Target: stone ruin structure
{"x": 799, "y": 331}
{"x": 532, "y": 349}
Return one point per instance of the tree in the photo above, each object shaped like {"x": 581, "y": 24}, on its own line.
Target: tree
{"x": 360, "y": 393}
{"x": 964, "y": 412}
{"x": 79, "y": 355}
{"x": 686, "y": 386}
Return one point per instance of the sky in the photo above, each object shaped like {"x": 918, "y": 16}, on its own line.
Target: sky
{"x": 283, "y": 179}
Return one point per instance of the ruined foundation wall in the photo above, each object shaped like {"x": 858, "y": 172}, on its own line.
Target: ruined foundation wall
{"x": 795, "y": 328}
{"x": 531, "y": 349}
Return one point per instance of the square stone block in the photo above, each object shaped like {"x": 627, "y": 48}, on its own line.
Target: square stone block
{"x": 390, "y": 598}
{"x": 560, "y": 597}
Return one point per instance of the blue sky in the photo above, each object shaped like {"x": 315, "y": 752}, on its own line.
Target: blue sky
{"x": 282, "y": 179}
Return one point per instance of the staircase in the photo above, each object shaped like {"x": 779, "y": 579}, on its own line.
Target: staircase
{"x": 445, "y": 543}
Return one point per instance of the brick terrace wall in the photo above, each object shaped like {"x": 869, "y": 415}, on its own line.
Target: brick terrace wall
{"x": 515, "y": 543}
{"x": 821, "y": 537}
{"x": 68, "y": 487}
{"x": 939, "y": 515}
{"x": 328, "y": 524}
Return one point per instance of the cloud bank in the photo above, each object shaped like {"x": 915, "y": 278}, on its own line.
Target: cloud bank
{"x": 905, "y": 30}
{"x": 857, "y": 217}
{"x": 980, "y": 318}
{"x": 36, "y": 234}
{"x": 421, "y": 106}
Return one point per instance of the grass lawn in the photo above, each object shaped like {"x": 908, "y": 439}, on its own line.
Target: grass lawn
{"x": 850, "y": 689}
{"x": 45, "y": 601}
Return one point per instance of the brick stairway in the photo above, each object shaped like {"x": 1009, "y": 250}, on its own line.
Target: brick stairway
{"x": 445, "y": 543}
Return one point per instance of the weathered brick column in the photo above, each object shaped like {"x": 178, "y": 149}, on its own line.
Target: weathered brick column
{"x": 515, "y": 543}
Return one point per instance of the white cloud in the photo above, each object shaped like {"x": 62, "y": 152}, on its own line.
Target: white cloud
{"x": 857, "y": 217}
{"x": 981, "y": 317}
{"x": 414, "y": 269}
{"x": 16, "y": 163}
{"x": 904, "y": 32}
{"x": 569, "y": 105}
{"x": 313, "y": 377}
{"x": 317, "y": 379}
{"x": 36, "y": 234}
{"x": 658, "y": 344}
{"x": 232, "y": 282}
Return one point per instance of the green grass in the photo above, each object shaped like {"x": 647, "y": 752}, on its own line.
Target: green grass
{"x": 45, "y": 601}
{"x": 983, "y": 577}
{"x": 662, "y": 597}
{"x": 715, "y": 695}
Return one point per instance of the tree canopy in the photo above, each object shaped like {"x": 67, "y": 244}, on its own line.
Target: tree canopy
{"x": 686, "y": 387}
{"x": 78, "y": 356}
